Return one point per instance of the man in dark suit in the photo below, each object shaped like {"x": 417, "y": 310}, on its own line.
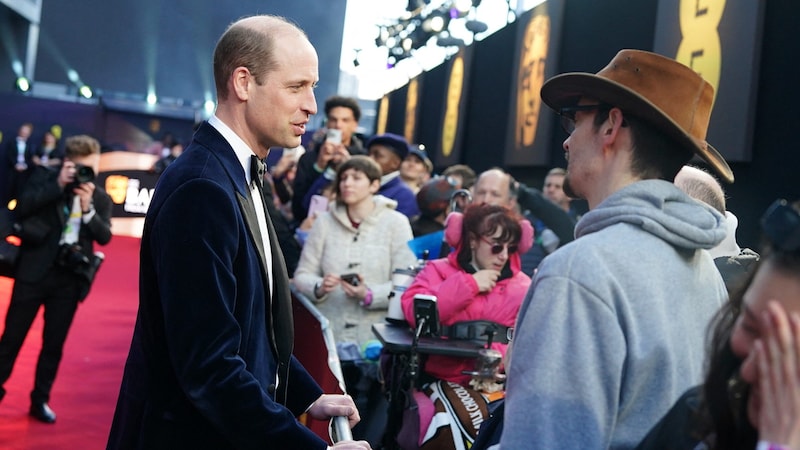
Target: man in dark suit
{"x": 62, "y": 214}
{"x": 211, "y": 365}
{"x": 17, "y": 159}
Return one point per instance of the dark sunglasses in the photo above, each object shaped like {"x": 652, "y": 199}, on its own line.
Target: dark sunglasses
{"x": 568, "y": 113}
{"x": 781, "y": 225}
{"x": 497, "y": 248}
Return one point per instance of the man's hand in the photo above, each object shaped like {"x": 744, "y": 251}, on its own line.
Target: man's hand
{"x": 84, "y": 191}
{"x": 333, "y": 405}
{"x": 326, "y": 153}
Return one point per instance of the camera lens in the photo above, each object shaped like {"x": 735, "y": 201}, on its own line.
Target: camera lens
{"x": 83, "y": 174}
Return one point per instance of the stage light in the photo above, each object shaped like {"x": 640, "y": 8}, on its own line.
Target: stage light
{"x": 209, "y": 106}
{"x": 152, "y": 99}
{"x": 463, "y": 6}
{"x": 85, "y": 91}
{"x": 434, "y": 23}
{"x": 23, "y": 84}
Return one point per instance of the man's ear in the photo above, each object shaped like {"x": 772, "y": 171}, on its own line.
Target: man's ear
{"x": 612, "y": 125}
{"x": 240, "y": 78}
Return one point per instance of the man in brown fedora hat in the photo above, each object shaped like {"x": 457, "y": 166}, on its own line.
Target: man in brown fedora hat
{"x": 612, "y": 329}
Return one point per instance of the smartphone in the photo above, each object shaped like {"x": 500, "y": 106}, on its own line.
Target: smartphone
{"x": 318, "y": 203}
{"x": 351, "y": 278}
{"x": 333, "y": 136}
{"x": 425, "y": 308}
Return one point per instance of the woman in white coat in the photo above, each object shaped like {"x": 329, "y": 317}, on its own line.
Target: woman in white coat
{"x": 363, "y": 238}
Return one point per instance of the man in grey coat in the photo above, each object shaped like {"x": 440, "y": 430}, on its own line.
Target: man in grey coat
{"x": 612, "y": 329}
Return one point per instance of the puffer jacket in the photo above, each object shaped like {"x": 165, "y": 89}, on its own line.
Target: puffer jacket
{"x": 458, "y": 300}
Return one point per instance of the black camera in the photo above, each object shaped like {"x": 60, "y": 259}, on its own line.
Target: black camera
{"x": 83, "y": 174}
{"x": 72, "y": 258}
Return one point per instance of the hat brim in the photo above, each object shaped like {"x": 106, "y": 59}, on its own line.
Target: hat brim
{"x": 566, "y": 89}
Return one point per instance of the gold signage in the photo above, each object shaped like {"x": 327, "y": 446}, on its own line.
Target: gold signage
{"x": 454, "y": 89}
{"x": 530, "y": 79}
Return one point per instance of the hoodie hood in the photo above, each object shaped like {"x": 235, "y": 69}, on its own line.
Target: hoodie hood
{"x": 381, "y": 204}
{"x": 661, "y": 209}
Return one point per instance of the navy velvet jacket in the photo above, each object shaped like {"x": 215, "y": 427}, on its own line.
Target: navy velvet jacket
{"x": 203, "y": 362}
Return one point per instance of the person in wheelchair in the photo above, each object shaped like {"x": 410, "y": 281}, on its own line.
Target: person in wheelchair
{"x": 480, "y": 280}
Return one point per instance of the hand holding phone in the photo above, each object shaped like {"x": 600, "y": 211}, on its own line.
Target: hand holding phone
{"x": 318, "y": 203}
{"x": 333, "y": 136}
{"x": 351, "y": 279}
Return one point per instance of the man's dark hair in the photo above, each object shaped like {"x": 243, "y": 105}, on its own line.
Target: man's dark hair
{"x": 466, "y": 173}
{"x": 655, "y": 156}
{"x": 344, "y": 102}
{"x": 360, "y": 163}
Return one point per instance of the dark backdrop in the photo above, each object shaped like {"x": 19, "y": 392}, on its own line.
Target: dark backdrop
{"x": 128, "y": 46}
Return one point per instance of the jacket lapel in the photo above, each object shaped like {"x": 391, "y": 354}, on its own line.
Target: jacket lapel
{"x": 279, "y": 313}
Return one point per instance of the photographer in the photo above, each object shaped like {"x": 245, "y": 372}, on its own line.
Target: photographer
{"x": 61, "y": 214}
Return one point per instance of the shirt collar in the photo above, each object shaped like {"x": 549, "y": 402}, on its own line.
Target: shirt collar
{"x": 243, "y": 151}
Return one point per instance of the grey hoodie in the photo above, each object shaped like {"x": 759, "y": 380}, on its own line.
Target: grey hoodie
{"x": 612, "y": 330}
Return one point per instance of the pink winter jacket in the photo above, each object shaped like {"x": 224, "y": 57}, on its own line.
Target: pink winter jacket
{"x": 458, "y": 300}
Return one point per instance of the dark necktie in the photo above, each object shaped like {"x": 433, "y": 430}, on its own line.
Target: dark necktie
{"x": 282, "y": 322}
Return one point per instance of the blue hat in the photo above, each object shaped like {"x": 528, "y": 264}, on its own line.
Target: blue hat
{"x": 396, "y": 143}
{"x": 420, "y": 152}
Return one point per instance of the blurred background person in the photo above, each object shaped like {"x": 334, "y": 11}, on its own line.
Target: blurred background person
{"x": 733, "y": 262}
{"x": 18, "y": 152}
{"x": 562, "y": 219}
{"x": 174, "y": 151}
{"x": 62, "y": 214}
{"x": 49, "y": 154}
{"x": 433, "y": 200}
{"x": 389, "y": 150}
{"x": 342, "y": 114}
{"x": 281, "y": 176}
{"x": 416, "y": 168}
{"x": 461, "y": 176}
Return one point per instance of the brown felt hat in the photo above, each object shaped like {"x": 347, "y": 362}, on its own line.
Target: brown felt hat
{"x": 661, "y": 91}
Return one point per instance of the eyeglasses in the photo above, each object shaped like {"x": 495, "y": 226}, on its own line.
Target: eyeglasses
{"x": 781, "y": 225}
{"x": 497, "y": 248}
{"x": 567, "y": 114}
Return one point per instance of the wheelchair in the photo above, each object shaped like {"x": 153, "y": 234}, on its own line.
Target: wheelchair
{"x": 403, "y": 358}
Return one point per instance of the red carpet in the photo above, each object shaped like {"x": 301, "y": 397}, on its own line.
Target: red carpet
{"x": 87, "y": 385}
{"x": 86, "y": 388}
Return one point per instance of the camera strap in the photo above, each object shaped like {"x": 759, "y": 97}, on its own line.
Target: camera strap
{"x": 72, "y": 227}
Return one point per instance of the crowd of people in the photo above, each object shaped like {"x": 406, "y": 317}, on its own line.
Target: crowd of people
{"x": 637, "y": 322}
